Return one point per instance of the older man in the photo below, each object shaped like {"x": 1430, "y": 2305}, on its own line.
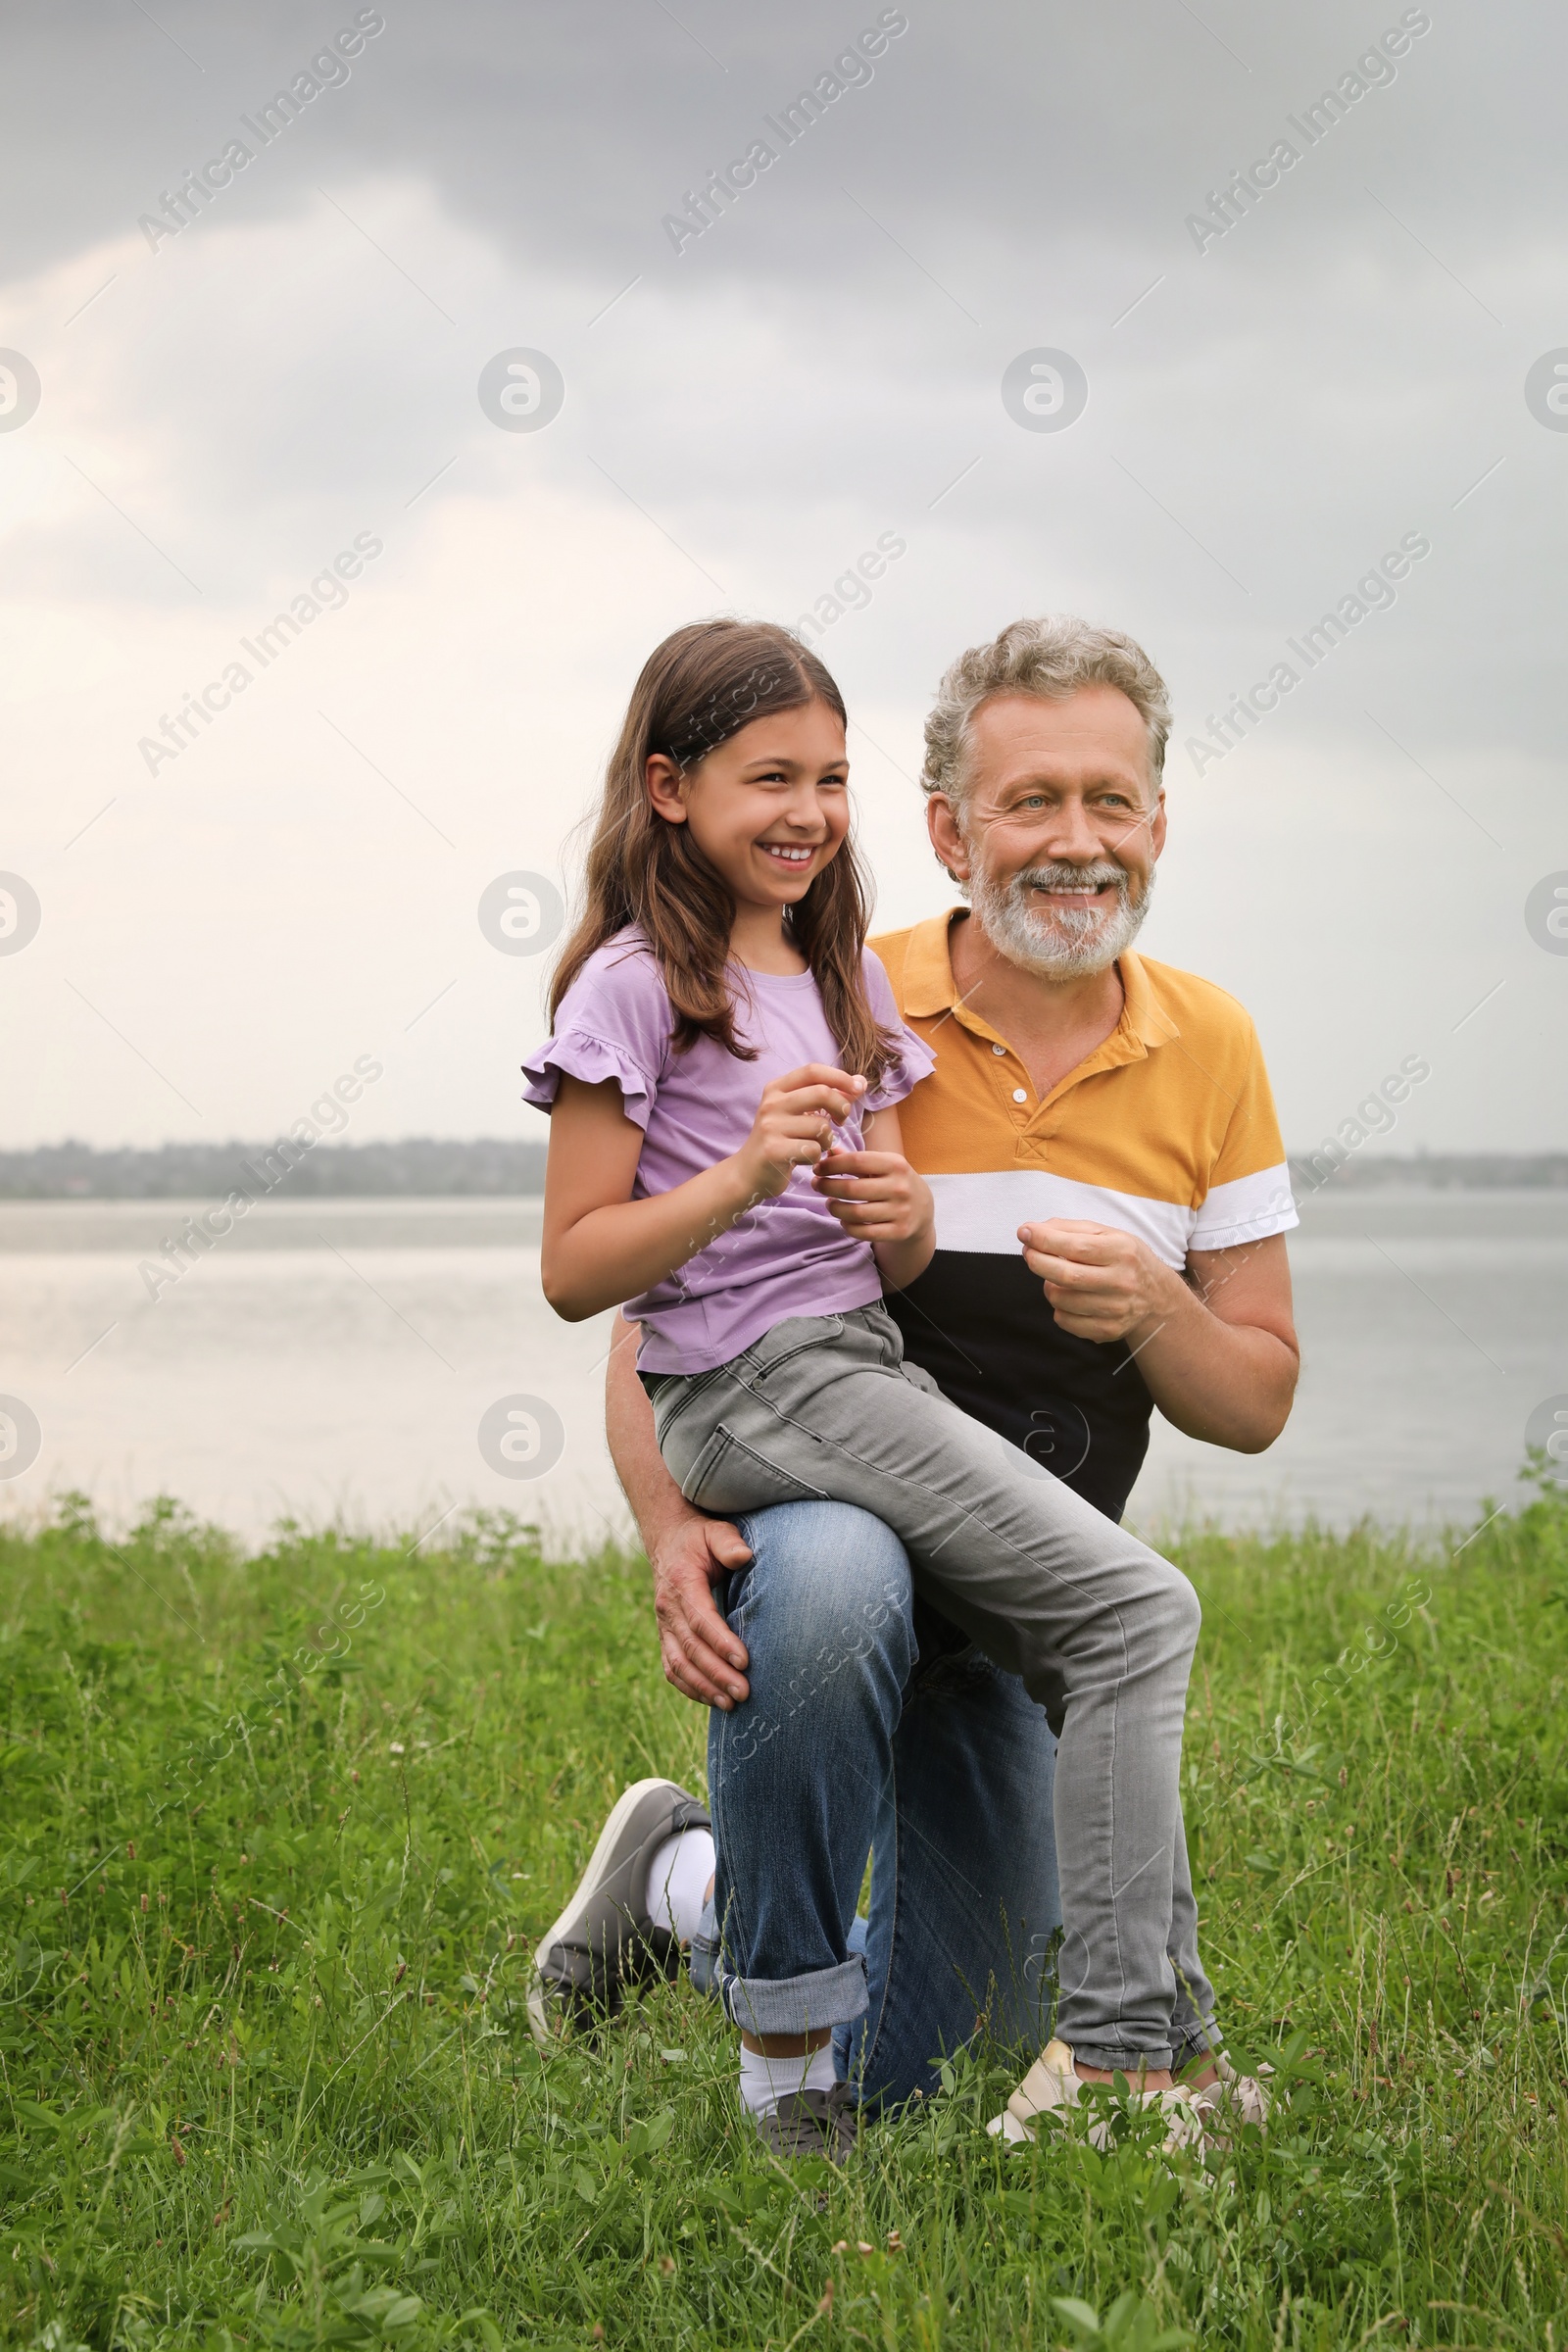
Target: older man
{"x": 1111, "y": 1198}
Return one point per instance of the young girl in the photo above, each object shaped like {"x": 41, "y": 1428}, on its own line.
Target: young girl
{"x": 725, "y": 1163}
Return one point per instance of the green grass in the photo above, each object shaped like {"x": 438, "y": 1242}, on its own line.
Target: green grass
{"x": 265, "y": 2073}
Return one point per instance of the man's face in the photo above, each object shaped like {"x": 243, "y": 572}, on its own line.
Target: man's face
{"x": 1058, "y": 830}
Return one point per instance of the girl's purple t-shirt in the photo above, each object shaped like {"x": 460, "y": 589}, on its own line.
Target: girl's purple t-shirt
{"x": 786, "y": 1256}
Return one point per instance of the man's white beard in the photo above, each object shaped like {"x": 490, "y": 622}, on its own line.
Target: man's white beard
{"x": 1047, "y": 936}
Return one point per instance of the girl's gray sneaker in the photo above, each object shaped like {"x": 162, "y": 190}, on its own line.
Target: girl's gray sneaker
{"x": 605, "y": 1938}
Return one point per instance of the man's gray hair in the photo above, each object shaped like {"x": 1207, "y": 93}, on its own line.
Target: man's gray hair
{"x": 1053, "y": 657}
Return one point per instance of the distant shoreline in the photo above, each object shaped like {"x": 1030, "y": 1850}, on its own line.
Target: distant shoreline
{"x": 427, "y": 1167}
{"x": 1434, "y": 1171}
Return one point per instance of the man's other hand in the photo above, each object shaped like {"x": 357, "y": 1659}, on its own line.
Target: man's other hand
{"x": 1102, "y": 1282}
{"x": 703, "y": 1658}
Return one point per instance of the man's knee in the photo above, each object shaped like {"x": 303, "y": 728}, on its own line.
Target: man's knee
{"x": 828, "y": 1586}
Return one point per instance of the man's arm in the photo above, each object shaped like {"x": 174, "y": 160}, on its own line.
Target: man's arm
{"x": 1216, "y": 1347}
{"x": 703, "y": 1658}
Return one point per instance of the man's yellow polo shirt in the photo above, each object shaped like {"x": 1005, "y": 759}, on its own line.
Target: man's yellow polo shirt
{"x": 1167, "y": 1130}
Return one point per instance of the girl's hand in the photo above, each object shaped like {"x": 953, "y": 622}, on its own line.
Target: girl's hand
{"x": 877, "y": 1196}
{"x": 794, "y": 1126}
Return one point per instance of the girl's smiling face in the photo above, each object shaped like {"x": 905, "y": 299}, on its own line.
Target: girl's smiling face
{"x": 769, "y": 807}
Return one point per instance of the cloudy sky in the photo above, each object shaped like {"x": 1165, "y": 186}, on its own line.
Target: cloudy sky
{"x": 1275, "y": 402}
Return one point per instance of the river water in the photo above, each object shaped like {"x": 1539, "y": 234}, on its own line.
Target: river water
{"x": 336, "y": 1359}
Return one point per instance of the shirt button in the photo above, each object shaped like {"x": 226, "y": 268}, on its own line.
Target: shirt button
{"x": 998, "y": 1048}
{"x": 1019, "y": 1095}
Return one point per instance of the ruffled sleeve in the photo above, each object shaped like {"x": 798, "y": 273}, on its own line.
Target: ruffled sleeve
{"x": 612, "y": 1022}
{"x": 575, "y": 1054}
{"x": 914, "y": 1058}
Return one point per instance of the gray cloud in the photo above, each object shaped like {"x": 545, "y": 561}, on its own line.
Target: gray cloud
{"x": 1344, "y": 365}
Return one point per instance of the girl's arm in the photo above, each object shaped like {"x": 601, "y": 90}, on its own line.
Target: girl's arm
{"x": 877, "y": 1196}
{"x": 602, "y": 1247}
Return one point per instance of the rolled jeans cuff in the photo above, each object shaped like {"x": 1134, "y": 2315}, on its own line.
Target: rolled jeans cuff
{"x": 1204, "y": 2041}
{"x": 824, "y": 1997}
{"x": 1119, "y": 2061}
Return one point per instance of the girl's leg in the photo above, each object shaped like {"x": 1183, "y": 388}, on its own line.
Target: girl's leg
{"x": 1195, "y": 2031}
{"x": 1100, "y": 1629}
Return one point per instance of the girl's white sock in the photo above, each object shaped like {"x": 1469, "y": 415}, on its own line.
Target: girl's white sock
{"x": 765, "y": 2081}
{"x": 677, "y": 1882}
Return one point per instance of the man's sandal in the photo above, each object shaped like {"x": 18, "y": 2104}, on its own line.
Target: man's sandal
{"x": 1052, "y": 2087}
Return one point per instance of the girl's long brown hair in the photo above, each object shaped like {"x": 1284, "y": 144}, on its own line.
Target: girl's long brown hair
{"x": 697, "y": 689}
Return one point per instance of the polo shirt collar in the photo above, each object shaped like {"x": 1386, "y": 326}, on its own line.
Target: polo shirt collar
{"x": 929, "y": 987}
{"x": 1142, "y": 1011}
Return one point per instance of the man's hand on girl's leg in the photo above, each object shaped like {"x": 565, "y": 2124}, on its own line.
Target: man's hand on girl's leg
{"x": 703, "y": 1658}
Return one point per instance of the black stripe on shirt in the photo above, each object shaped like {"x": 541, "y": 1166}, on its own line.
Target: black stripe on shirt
{"x": 981, "y": 1326}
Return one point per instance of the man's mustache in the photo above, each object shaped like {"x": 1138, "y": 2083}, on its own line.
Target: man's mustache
{"x": 1100, "y": 874}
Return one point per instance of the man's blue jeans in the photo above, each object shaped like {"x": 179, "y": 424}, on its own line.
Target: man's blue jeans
{"x": 873, "y": 1725}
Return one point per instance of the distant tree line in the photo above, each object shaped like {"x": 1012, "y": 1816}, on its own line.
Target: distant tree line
{"x": 1442, "y": 1171}
{"x": 432, "y": 1167}
{"x": 419, "y": 1167}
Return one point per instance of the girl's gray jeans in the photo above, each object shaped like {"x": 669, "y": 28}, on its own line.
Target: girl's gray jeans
{"x": 1100, "y": 1629}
